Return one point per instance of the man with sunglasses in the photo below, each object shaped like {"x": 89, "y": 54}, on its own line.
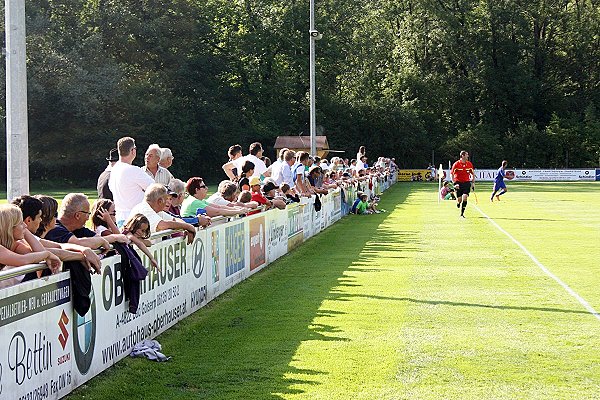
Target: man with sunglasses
{"x": 70, "y": 225}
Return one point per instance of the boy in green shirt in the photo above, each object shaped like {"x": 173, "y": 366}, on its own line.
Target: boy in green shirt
{"x": 363, "y": 206}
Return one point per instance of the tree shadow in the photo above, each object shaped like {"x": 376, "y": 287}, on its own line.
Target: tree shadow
{"x": 342, "y": 296}
{"x": 523, "y": 219}
{"x": 245, "y": 341}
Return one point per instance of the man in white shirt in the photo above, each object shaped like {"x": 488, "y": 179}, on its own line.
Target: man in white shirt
{"x": 233, "y": 168}
{"x": 289, "y": 159}
{"x": 152, "y": 167}
{"x": 155, "y": 200}
{"x": 301, "y": 184}
{"x": 256, "y": 152}
{"x": 127, "y": 182}
{"x": 277, "y": 167}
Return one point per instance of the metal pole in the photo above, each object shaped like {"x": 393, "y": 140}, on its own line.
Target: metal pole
{"x": 17, "y": 149}
{"x": 313, "y": 114}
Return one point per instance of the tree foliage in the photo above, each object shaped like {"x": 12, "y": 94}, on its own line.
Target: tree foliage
{"x": 501, "y": 78}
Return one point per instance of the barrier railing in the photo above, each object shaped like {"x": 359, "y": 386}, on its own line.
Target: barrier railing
{"x": 25, "y": 269}
{"x": 22, "y": 270}
{"x": 40, "y": 312}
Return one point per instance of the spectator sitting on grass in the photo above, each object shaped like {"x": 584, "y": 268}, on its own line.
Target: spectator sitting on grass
{"x": 363, "y": 206}
{"x": 447, "y": 192}
{"x": 197, "y": 191}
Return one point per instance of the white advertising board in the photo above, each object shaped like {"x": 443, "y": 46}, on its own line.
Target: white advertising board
{"x": 277, "y": 234}
{"x": 36, "y": 355}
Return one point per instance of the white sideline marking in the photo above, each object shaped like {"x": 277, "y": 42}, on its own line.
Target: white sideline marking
{"x": 580, "y": 299}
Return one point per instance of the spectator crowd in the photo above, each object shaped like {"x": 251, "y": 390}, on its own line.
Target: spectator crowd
{"x": 136, "y": 202}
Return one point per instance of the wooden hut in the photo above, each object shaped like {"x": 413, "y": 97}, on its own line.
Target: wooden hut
{"x": 302, "y": 143}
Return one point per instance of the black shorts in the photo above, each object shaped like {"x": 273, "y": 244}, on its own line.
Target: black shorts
{"x": 462, "y": 188}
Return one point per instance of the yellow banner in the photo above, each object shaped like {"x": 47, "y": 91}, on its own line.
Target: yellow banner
{"x": 414, "y": 175}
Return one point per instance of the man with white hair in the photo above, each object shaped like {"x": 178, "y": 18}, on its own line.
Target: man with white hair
{"x": 127, "y": 182}
{"x": 156, "y": 198}
{"x": 166, "y": 157}
{"x": 153, "y": 169}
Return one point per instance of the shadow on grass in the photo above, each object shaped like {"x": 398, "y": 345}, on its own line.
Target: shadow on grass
{"x": 348, "y": 297}
{"x": 243, "y": 344}
{"x": 523, "y": 219}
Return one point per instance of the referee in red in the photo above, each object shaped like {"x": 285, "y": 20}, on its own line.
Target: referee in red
{"x": 463, "y": 175}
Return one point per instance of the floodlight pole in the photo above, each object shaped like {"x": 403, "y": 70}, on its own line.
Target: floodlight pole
{"x": 313, "y": 34}
{"x": 17, "y": 150}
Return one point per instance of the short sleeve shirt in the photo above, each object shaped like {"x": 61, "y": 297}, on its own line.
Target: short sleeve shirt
{"x": 127, "y": 184}
{"x": 190, "y": 205}
{"x": 163, "y": 176}
{"x": 462, "y": 172}
{"x": 218, "y": 200}
{"x": 60, "y": 234}
{"x": 361, "y": 207}
{"x": 259, "y": 166}
{"x": 153, "y": 217}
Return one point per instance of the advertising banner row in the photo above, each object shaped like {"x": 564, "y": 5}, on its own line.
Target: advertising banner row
{"x": 47, "y": 349}
{"x": 526, "y": 175}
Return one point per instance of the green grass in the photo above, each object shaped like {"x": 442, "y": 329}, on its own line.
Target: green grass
{"x": 411, "y": 304}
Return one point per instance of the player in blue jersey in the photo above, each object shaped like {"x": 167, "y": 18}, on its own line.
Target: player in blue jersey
{"x": 499, "y": 185}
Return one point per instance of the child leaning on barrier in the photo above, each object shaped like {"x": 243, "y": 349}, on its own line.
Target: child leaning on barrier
{"x": 245, "y": 196}
{"x": 137, "y": 229}
{"x": 290, "y": 195}
{"x": 104, "y": 217}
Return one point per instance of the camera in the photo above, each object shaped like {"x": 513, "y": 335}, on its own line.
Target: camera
{"x": 316, "y": 34}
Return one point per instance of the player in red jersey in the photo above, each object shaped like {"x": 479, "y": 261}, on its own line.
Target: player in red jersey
{"x": 463, "y": 175}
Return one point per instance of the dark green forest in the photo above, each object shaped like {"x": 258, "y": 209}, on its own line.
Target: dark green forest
{"x": 501, "y": 78}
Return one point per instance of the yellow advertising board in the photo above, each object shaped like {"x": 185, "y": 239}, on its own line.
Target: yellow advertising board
{"x": 414, "y": 175}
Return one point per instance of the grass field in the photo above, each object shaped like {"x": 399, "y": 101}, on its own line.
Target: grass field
{"x": 411, "y": 304}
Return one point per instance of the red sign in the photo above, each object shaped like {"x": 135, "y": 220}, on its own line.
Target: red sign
{"x": 257, "y": 243}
